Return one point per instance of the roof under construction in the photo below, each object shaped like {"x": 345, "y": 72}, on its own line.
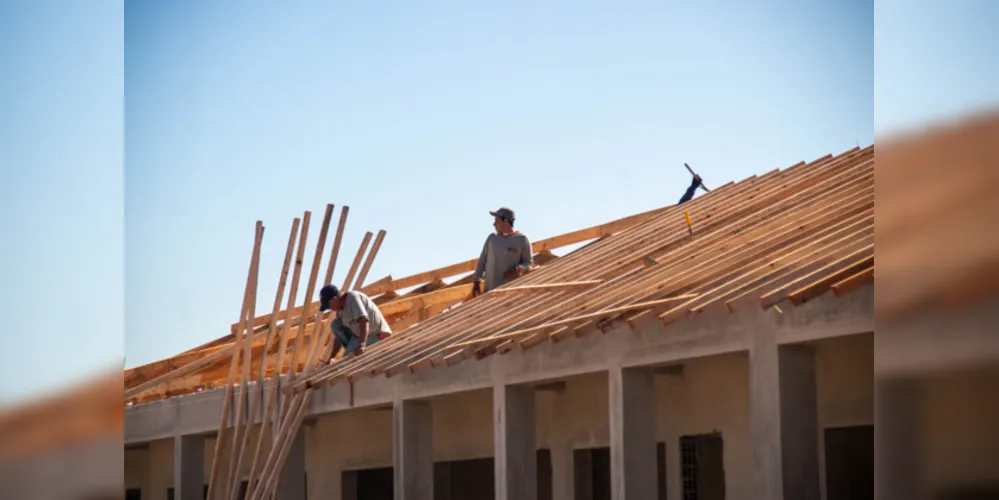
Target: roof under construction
{"x": 774, "y": 240}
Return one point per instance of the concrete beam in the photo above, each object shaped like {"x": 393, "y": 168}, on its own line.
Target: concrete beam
{"x": 783, "y": 419}
{"x": 632, "y": 433}
{"x": 515, "y": 461}
{"x": 713, "y": 333}
{"x": 412, "y": 450}
{"x": 188, "y": 467}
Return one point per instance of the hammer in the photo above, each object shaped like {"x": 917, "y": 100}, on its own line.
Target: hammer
{"x": 706, "y": 190}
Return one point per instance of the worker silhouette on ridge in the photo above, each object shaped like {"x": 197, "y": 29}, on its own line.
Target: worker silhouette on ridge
{"x": 696, "y": 183}
{"x": 505, "y": 256}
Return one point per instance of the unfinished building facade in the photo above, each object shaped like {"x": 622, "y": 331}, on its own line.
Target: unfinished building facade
{"x": 728, "y": 357}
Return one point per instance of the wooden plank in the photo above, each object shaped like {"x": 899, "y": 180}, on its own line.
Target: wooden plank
{"x": 823, "y": 283}
{"x": 818, "y": 236}
{"x": 387, "y": 371}
{"x": 821, "y": 250}
{"x": 775, "y": 296}
{"x": 552, "y": 243}
{"x": 549, "y": 287}
{"x": 426, "y": 340}
{"x": 401, "y": 352}
{"x": 248, "y": 296}
{"x": 723, "y": 247}
{"x": 370, "y": 259}
{"x": 279, "y": 294}
{"x": 311, "y": 287}
{"x": 426, "y": 300}
{"x": 337, "y": 240}
{"x": 757, "y": 203}
{"x": 357, "y": 261}
{"x": 854, "y": 282}
{"x": 575, "y": 319}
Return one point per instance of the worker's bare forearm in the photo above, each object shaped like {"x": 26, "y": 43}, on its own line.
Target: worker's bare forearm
{"x": 362, "y": 331}
{"x": 336, "y": 350}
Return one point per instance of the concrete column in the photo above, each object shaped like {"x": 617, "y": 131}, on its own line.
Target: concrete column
{"x": 897, "y": 450}
{"x": 293, "y": 474}
{"x": 632, "y": 434}
{"x": 783, "y": 420}
{"x": 188, "y": 467}
{"x": 514, "y": 439}
{"x": 560, "y": 444}
{"x": 563, "y": 487}
{"x": 412, "y": 451}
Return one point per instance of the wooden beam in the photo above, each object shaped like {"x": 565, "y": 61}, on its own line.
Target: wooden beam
{"x": 549, "y": 287}
{"x": 370, "y": 259}
{"x": 574, "y": 319}
{"x": 854, "y": 282}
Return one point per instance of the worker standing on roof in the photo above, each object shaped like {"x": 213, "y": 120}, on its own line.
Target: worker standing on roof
{"x": 505, "y": 256}
{"x": 358, "y": 323}
{"x": 696, "y": 183}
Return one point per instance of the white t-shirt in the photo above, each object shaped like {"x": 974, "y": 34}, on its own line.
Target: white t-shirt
{"x": 358, "y": 305}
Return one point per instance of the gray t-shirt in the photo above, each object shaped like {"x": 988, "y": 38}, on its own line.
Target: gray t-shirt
{"x": 499, "y": 255}
{"x": 359, "y": 305}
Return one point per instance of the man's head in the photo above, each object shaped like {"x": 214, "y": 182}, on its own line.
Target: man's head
{"x": 503, "y": 219}
{"x": 329, "y": 298}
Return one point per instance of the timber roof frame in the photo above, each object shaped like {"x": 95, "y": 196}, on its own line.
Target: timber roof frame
{"x": 786, "y": 235}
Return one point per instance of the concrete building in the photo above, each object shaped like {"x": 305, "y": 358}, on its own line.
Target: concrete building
{"x": 747, "y": 406}
{"x": 642, "y": 399}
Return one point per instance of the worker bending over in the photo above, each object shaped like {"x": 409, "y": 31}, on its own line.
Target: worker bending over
{"x": 358, "y": 323}
{"x": 505, "y": 256}
{"x": 696, "y": 183}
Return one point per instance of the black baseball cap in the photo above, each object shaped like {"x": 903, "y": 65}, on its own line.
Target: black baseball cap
{"x": 326, "y": 294}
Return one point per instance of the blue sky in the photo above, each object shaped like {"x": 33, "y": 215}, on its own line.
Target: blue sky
{"x": 61, "y": 193}
{"x": 419, "y": 118}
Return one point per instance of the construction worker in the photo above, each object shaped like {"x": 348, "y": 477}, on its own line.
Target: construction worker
{"x": 358, "y": 323}
{"x": 696, "y": 183}
{"x": 505, "y": 256}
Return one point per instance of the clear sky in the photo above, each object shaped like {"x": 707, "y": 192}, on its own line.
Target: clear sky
{"x": 419, "y": 118}
{"x": 61, "y": 193}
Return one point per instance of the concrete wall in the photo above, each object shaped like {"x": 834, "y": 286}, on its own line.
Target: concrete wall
{"x": 709, "y": 394}
{"x": 151, "y": 467}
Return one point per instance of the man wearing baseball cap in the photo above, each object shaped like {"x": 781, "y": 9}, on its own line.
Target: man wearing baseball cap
{"x": 358, "y": 323}
{"x": 505, "y": 256}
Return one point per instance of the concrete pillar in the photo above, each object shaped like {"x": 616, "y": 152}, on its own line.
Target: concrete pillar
{"x": 897, "y": 450}
{"x": 514, "y": 439}
{"x": 563, "y": 487}
{"x": 293, "y": 474}
{"x": 783, "y": 420}
{"x": 632, "y": 434}
{"x": 560, "y": 444}
{"x": 412, "y": 451}
{"x": 188, "y": 467}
